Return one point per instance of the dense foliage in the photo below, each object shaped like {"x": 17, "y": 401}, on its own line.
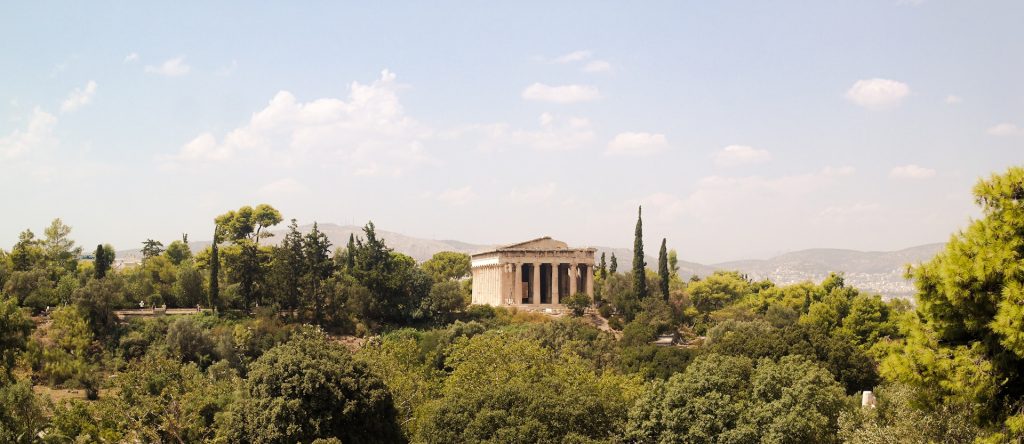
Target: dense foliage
{"x": 300, "y": 342}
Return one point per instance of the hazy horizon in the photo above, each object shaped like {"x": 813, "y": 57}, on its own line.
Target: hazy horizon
{"x": 741, "y": 135}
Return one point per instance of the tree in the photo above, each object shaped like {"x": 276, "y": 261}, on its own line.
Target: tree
{"x": 602, "y": 268}
{"x": 317, "y": 268}
{"x": 721, "y": 399}
{"x": 15, "y": 328}
{"x": 444, "y": 300}
{"x": 179, "y": 251}
{"x": 188, "y": 287}
{"x": 718, "y": 290}
{"x": 151, "y": 248}
{"x": 673, "y": 263}
{"x": 59, "y": 249}
{"x": 578, "y": 303}
{"x": 27, "y": 252}
{"x": 614, "y": 267}
{"x": 447, "y": 265}
{"x": 396, "y": 284}
{"x": 663, "y": 272}
{"x": 309, "y": 388}
{"x": 534, "y": 395}
{"x": 105, "y": 256}
{"x": 97, "y": 300}
{"x": 966, "y": 342}
{"x": 245, "y": 227}
{"x": 350, "y": 257}
{"x": 287, "y": 268}
{"x": 639, "y": 265}
{"x": 214, "y": 294}
{"x": 22, "y": 414}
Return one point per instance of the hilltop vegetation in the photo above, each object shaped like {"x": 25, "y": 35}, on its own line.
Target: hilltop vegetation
{"x": 305, "y": 341}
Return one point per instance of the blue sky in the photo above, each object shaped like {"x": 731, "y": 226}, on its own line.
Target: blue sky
{"x": 746, "y": 129}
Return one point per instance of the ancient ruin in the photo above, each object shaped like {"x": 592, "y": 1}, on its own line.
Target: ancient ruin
{"x": 534, "y": 274}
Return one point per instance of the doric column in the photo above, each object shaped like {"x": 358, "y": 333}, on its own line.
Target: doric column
{"x": 589, "y": 281}
{"x": 535, "y": 275}
{"x": 574, "y": 272}
{"x": 517, "y": 285}
{"x": 554, "y": 282}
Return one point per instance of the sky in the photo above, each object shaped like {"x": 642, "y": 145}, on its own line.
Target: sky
{"x": 745, "y": 128}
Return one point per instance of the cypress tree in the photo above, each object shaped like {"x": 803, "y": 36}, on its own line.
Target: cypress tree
{"x": 101, "y": 264}
{"x": 614, "y": 265}
{"x": 602, "y": 269}
{"x": 214, "y": 271}
{"x": 350, "y": 253}
{"x": 639, "y": 275}
{"x": 663, "y": 272}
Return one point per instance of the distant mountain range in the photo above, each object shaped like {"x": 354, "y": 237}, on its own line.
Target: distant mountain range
{"x": 875, "y": 271}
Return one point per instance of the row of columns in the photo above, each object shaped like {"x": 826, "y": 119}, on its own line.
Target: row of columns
{"x": 574, "y": 274}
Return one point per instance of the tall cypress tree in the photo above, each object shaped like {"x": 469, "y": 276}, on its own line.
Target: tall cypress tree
{"x": 614, "y": 267}
{"x": 214, "y": 271}
{"x": 663, "y": 269}
{"x": 602, "y": 269}
{"x": 102, "y": 263}
{"x": 639, "y": 275}
{"x": 350, "y": 253}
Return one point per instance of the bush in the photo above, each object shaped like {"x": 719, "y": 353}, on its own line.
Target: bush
{"x": 578, "y": 303}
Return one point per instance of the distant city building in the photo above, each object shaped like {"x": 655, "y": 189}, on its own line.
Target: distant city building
{"x": 537, "y": 273}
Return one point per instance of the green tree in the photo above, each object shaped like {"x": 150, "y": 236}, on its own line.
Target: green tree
{"x": 151, "y": 248}
{"x": 245, "y": 227}
{"x": 179, "y": 251}
{"x": 967, "y": 341}
{"x": 287, "y": 267}
{"x": 309, "y": 388}
{"x": 97, "y": 300}
{"x": 673, "y": 263}
{"x": 214, "y": 293}
{"x": 396, "y": 284}
{"x": 444, "y": 300}
{"x": 718, "y": 290}
{"x": 534, "y": 395}
{"x": 105, "y": 256}
{"x": 602, "y": 268}
{"x": 14, "y": 330}
{"x": 614, "y": 267}
{"x": 350, "y": 257}
{"x": 639, "y": 264}
{"x": 578, "y": 303}
{"x": 22, "y": 414}
{"x": 447, "y": 265}
{"x": 60, "y": 251}
{"x": 317, "y": 267}
{"x": 188, "y": 286}
{"x": 27, "y": 252}
{"x": 663, "y": 271}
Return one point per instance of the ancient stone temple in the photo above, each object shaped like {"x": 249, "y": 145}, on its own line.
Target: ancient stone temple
{"x": 537, "y": 273}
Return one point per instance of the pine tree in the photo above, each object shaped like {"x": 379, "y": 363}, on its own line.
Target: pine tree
{"x": 214, "y": 271}
{"x": 614, "y": 267}
{"x": 639, "y": 266}
{"x": 602, "y": 269}
{"x": 318, "y": 267}
{"x": 663, "y": 272}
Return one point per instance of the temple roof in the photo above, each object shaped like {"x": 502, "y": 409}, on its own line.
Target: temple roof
{"x": 545, "y": 243}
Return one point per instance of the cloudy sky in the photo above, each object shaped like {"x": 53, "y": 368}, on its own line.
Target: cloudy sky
{"x": 746, "y": 129}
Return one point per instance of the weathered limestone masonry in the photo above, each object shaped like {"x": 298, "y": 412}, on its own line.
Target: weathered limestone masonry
{"x": 533, "y": 274}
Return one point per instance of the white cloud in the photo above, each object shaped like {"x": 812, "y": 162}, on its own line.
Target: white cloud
{"x": 171, "y": 68}
{"x": 953, "y": 99}
{"x": 38, "y": 134}
{"x": 367, "y": 134}
{"x": 911, "y": 172}
{"x": 1005, "y": 129}
{"x": 734, "y": 155}
{"x": 79, "y": 97}
{"x": 457, "y": 196}
{"x": 877, "y": 94}
{"x": 561, "y": 94}
{"x": 533, "y": 194}
{"x": 637, "y": 144}
{"x": 597, "y": 66}
{"x": 133, "y": 57}
{"x": 555, "y": 133}
{"x": 575, "y": 56}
